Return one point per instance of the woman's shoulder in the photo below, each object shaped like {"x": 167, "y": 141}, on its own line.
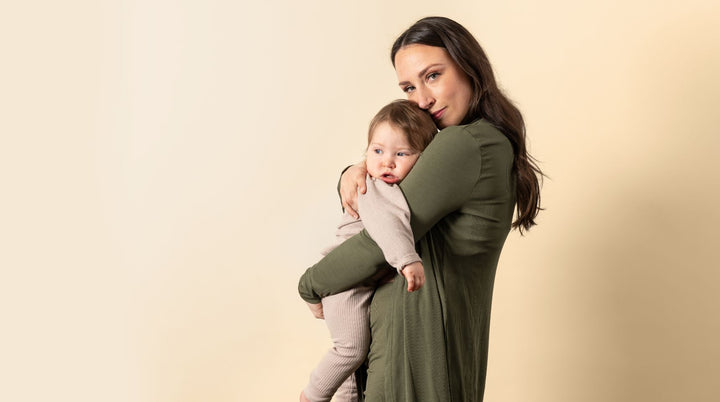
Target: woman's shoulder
{"x": 480, "y": 130}
{"x": 479, "y": 139}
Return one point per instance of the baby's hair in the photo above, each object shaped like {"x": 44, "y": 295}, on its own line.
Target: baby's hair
{"x": 406, "y": 116}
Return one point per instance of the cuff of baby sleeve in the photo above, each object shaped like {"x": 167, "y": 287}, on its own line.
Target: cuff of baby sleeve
{"x": 408, "y": 259}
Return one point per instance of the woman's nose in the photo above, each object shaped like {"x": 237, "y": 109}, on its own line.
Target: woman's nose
{"x": 424, "y": 99}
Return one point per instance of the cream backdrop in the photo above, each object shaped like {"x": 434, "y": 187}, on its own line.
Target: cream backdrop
{"x": 168, "y": 171}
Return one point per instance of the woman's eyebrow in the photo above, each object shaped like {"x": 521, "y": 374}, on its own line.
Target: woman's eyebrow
{"x": 421, "y": 73}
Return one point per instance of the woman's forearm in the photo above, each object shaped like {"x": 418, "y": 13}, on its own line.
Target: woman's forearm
{"x": 355, "y": 261}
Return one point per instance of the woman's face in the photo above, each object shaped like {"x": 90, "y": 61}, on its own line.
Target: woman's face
{"x": 430, "y": 78}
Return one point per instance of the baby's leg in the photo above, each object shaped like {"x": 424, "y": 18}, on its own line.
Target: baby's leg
{"x": 347, "y": 318}
{"x": 348, "y": 391}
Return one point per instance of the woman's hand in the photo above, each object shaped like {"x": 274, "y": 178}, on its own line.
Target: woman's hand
{"x": 316, "y": 310}
{"x": 352, "y": 181}
{"x": 414, "y": 273}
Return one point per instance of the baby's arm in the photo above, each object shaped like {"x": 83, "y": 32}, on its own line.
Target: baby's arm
{"x": 386, "y": 217}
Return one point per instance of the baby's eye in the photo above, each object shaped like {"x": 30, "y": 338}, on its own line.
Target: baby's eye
{"x": 402, "y": 154}
{"x": 377, "y": 151}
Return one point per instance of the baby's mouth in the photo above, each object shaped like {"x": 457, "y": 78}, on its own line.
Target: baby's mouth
{"x": 388, "y": 178}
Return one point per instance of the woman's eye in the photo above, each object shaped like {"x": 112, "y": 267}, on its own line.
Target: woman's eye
{"x": 408, "y": 89}
{"x": 432, "y": 76}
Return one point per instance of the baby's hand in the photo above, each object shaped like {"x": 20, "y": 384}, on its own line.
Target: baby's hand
{"x": 414, "y": 273}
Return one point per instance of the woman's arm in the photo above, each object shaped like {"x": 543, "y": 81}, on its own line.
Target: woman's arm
{"x": 439, "y": 183}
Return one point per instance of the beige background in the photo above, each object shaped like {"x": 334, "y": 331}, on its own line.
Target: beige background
{"x": 168, "y": 172}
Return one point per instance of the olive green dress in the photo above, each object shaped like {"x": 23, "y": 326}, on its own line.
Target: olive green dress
{"x": 432, "y": 345}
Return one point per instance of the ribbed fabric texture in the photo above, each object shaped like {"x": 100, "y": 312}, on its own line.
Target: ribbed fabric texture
{"x": 347, "y": 318}
{"x": 385, "y": 214}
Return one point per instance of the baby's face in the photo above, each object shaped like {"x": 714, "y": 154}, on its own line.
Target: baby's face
{"x": 389, "y": 156}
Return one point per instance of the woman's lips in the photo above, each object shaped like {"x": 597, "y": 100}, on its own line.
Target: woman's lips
{"x": 438, "y": 115}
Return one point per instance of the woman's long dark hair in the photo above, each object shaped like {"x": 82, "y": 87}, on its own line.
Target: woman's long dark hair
{"x": 488, "y": 102}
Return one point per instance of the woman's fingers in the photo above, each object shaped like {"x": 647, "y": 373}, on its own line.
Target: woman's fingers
{"x": 350, "y": 210}
{"x": 352, "y": 181}
{"x": 348, "y": 195}
{"x": 361, "y": 183}
{"x": 316, "y": 310}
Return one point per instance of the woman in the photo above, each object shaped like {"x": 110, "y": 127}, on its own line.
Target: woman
{"x": 431, "y": 345}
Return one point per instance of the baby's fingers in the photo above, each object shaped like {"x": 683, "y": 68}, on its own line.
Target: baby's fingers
{"x": 420, "y": 282}
{"x": 411, "y": 283}
{"x": 415, "y": 283}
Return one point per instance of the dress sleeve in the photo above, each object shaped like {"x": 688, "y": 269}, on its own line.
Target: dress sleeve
{"x": 441, "y": 181}
{"x": 386, "y": 217}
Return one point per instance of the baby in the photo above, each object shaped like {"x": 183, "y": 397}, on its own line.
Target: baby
{"x": 397, "y": 135}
